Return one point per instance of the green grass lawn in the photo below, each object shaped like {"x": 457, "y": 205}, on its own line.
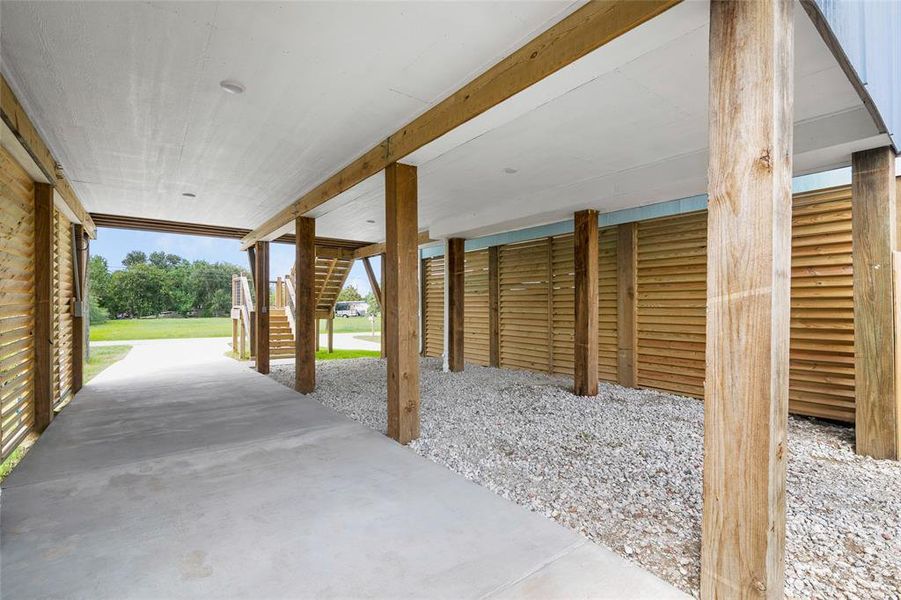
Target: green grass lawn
{"x": 101, "y": 358}
{"x": 350, "y": 325}
{"x": 339, "y": 354}
{"x": 157, "y": 329}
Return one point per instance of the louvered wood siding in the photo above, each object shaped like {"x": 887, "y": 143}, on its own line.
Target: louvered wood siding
{"x": 475, "y": 308}
{"x": 63, "y": 296}
{"x": 524, "y": 272}
{"x": 433, "y": 306}
{"x": 672, "y": 303}
{"x": 16, "y": 303}
{"x": 607, "y": 341}
{"x": 821, "y": 381}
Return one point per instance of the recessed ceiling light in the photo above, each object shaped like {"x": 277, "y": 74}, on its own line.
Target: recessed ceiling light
{"x": 189, "y": 195}
{"x": 370, "y": 221}
{"x": 510, "y": 170}
{"x": 231, "y": 86}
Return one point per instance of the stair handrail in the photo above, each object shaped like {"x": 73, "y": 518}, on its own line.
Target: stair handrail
{"x": 289, "y": 306}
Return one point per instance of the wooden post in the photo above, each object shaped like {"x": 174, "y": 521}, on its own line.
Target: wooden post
{"x": 401, "y": 301}
{"x": 627, "y": 304}
{"x": 261, "y": 287}
{"x": 318, "y": 333}
{"x": 305, "y": 296}
{"x": 748, "y": 299}
{"x": 455, "y": 272}
{"x": 383, "y": 349}
{"x": 243, "y": 336}
{"x": 43, "y": 306}
{"x": 252, "y": 334}
{"x": 874, "y": 222}
{"x": 80, "y": 262}
{"x": 423, "y": 275}
{"x": 494, "y": 321}
{"x": 585, "y": 336}
{"x": 235, "y": 335}
{"x": 331, "y": 333}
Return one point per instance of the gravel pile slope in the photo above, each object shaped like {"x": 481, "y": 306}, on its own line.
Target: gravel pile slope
{"x": 624, "y": 470}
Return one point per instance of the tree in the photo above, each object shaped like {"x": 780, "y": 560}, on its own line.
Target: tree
{"x": 135, "y": 257}
{"x": 349, "y": 294}
{"x": 165, "y": 261}
{"x": 374, "y": 308}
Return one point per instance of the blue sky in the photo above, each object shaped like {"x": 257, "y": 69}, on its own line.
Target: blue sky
{"x": 114, "y": 244}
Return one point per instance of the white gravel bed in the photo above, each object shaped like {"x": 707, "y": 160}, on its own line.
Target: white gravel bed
{"x": 624, "y": 470}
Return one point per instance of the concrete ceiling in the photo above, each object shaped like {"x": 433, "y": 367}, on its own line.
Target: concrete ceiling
{"x": 128, "y": 97}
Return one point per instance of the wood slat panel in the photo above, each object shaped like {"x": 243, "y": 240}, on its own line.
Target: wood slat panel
{"x": 607, "y": 304}
{"x": 475, "y": 311}
{"x": 16, "y": 303}
{"x": 672, "y": 300}
{"x": 63, "y": 296}
{"x": 524, "y": 274}
{"x": 434, "y": 306}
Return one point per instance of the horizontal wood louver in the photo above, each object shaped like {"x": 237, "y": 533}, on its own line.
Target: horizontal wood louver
{"x": 562, "y": 304}
{"x": 475, "y": 308}
{"x": 607, "y": 304}
{"x": 63, "y": 296}
{"x": 16, "y": 303}
{"x": 433, "y": 306}
{"x": 523, "y": 276}
{"x": 672, "y": 301}
{"x": 821, "y": 379}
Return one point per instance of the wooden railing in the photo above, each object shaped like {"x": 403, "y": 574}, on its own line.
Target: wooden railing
{"x": 290, "y": 303}
{"x": 242, "y": 317}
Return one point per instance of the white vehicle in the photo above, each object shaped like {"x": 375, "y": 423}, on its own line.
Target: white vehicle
{"x": 355, "y": 308}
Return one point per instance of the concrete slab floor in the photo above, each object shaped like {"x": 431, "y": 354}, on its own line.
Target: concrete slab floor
{"x": 181, "y": 473}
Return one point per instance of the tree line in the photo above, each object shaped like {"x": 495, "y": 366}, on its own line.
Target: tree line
{"x": 160, "y": 283}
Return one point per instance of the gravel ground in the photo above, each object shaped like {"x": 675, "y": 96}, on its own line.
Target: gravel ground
{"x": 624, "y": 470}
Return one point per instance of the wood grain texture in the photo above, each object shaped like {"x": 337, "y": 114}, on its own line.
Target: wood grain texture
{"x": 20, "y": 124}
{"x": 873, "y": 197}
{"x": 17, "y": 303}
{"x": 261, "y": 289}
{"x": 586, "y": 29}
{"x": 585, "y": 347}
{"x": 476, "y": 297}
{"x": 748, "y": 295}
{"x": 78, "y": 318}
{"x": 608, "y": 301}
{"x": 63, "y": 277}
{"x": 402, "y": 301}
{"x": 432, "y": 299}
{"x": 455, "y": 273}
{"x": 494, "y": 321}
{"x": 43, "y": 306}
{"x": 627, "y": 304}
{"x": 305, "y": 310}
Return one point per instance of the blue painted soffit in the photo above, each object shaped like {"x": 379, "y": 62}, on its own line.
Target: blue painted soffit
{"x": 869, "y": 35}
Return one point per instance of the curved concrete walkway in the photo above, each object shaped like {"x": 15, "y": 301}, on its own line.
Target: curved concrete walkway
{"x": 180, "y": 473}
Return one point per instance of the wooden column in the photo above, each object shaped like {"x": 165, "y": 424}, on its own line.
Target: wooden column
{"x": 748, "y": 299}
{"x": 455, "y": 273}
{"x": 252, "y": 334}
{"x": 494, "y": 321}
{"x": 401, "y": 301}
{"x": 331, "y": 333}
{"x": 383, "y": 349}
{"x": 423, "y": 324}
{"x": 585, "y": 335}
{"x": 627, "y": 304}
{"x": 261, "y": 289}
{"x": 874, "y": 222}
{"x": 305, "y": 296}
{"x": 43, "y": 306}
{"x": 80, "y": 262}
{"x": 318, "y": 333}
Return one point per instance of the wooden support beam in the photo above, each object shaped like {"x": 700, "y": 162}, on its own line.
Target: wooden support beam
{"x": 318, "y": 332}
{"x": 494, "y": 321}
{"x": 12, "y": 113}
{"x": 585, "y": 336}
{"x": 874, "y": 224}
{"x": 748, "y": 299}
{"x": 455, "y": 272}
{"x": 305, "y": 296}
{"x": 401, "y": 301}
{"x": 43, "y": 306}
{"x": 383, "y": 349}
{"x": 376, "y": 249}
{"x": 627, "y": 304}
{"x": 586, "y": 29}
{"x": 373, "y": 282}
{"x": 80, "y": 243}
{"x": 331, "y": 334}
{"x": 261, "y": 288}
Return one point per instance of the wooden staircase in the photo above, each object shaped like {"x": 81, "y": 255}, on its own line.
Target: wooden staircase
{"x": 281, "y": 340}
